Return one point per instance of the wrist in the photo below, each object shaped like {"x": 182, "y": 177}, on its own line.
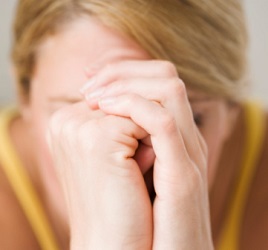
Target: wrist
{"x": 100, "y": 240}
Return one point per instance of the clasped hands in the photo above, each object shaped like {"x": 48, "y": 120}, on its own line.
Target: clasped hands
{"x": 136, "y": 115}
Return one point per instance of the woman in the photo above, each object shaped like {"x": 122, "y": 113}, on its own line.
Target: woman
{"x": 131, "y": 124}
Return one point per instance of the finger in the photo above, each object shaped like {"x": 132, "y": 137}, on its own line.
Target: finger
{"x": 67, "y": 118}
{"x": 170, "y": 93}
{"x": 129, "y": 69}
{"x": 124, "y": 126}
{"x": 166, "y": 139}
{"x": 145, "y": 157}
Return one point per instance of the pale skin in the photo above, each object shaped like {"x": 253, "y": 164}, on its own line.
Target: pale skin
{"x": 103, "y": 143}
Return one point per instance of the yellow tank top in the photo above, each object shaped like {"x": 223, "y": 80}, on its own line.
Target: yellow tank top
{"x": 22, "y": 185}
{"x": 254, "y": 138}
{"x": 20, "y": 182}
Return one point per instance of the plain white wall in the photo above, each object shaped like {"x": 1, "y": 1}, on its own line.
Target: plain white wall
{"x": 6, "y": 88}
{"x": 258, "y": 53}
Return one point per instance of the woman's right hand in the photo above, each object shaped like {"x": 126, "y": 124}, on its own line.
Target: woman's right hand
{"x": 108, "y": 202}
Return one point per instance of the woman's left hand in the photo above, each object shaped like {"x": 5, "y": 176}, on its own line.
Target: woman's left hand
{"x": 154, "y": 97}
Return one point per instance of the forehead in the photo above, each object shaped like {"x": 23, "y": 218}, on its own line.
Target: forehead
{"x": 83, "y": 43}
{"x": 88, "y": 42}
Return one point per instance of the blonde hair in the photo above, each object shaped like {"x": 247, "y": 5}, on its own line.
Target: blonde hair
{"x": 205, "y": 39}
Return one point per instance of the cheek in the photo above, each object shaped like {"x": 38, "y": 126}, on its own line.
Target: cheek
{"x": 40, "y": 124}
{"x": 214, "y": 142}
{"x": 44, "y": 158}
{"x": 40, "y": 118}
{"x": 214, "y": 134}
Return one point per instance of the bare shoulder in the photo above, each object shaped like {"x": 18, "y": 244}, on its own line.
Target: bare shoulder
{"x": 255, "y": 226}
{"x": 15, "y": 231}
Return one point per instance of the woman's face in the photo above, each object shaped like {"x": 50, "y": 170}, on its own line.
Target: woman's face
{"x": 60, "y": 73}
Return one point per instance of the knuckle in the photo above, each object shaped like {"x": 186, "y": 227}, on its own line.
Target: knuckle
{"x": 64, "y": 123}
{"x": 56, "y": 121}
{"x": 89, "y": 128}
{"x": 110, "y": 72}
{"x": 169, "y": 68}
{"x": 69, "y": 127}
{"x": 132, "y": 98}
{"x": 108, "y": 124}
{"x": 167, "y": 123}
{"x": 112, "y": 128}
{"x": 191, "y": 183}
{"x": 177, "y": 88}
{"x": 92, "y": 138}
{"x": 194, "y": 183}
{"x": 187, "y": 184}
{"x": 110, "y": 69}
{"x": 195, "y": 178}
{"x": 87, "y": 135}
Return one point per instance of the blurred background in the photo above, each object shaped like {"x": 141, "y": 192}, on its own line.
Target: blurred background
{"x": 258, "y": 52}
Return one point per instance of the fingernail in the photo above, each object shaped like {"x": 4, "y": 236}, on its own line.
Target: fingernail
{"x": 106, "y": 102}
{"x": 88, "y": 84}
{"x": 95, "y": 94}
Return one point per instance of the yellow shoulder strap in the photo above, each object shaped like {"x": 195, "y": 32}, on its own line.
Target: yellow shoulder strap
{"x": 255, "y": 129}
{"x": 22, "y": 186}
